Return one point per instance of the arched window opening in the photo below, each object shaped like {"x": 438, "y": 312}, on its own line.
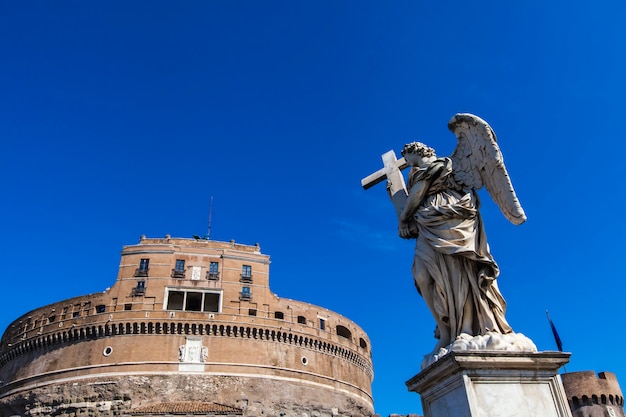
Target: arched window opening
{"x": 344, "y": 332}
{"x": 362, "y": 343}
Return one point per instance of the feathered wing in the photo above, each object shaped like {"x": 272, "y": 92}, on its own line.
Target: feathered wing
{"x": 477, "y": 161}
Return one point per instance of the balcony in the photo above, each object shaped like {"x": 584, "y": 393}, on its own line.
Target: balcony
{"x": 246, "y": 278}
{"x": 245, "y": 296}
{"x": 139, "y": 291}
{"x": 177, "y": 273}
{"x": 139, "y": 272}
{"x": 213, "y": 276}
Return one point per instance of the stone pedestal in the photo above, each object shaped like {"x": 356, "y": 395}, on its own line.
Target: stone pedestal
{"x": 493, "y": 384}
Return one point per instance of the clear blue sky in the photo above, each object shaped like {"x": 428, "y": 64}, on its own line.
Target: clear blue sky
{"x": 123, "y": 118}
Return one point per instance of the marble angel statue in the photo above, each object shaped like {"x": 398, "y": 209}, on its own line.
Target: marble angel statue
{"x": 453, "y": 268}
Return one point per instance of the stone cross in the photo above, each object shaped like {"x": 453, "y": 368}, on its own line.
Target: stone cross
{"x": 392, "y": 172}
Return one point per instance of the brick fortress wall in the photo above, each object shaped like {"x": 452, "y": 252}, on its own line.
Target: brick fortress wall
{"x": 197, "y": 320}
{"x": 591, "y": 395}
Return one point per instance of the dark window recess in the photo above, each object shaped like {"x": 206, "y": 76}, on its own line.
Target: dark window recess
{"x": 252, "y": 312}
{"x": 194, "y": 301}
{"x": 279, "y": 315}
{"x": 301, "y": 319}
{"x": 144, "y": 265}
{"x": 213, "y": 271}
{"x": 76, "y": 314}
{"x": 128, "y": 307}
{"x": 100, "y": 308}
{"x": 344, "y": 332}
{"x": 245, "y": 293}
{"x": 246, "y": 273}
{"x": 211, "y": 302}
{"x": 362, "y": 343}
{"x": 175, "y": 300}
{"x": 322, "y": 324}
{"x": 51, "y": 319}
{"x": 179, "y": 269}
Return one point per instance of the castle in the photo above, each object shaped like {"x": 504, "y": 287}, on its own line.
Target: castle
{"x": 190, "y": 327}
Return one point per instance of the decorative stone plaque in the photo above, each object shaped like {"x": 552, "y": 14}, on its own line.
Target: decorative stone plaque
{"x": 192, "y": 355}
{"x": 195, "y": 273}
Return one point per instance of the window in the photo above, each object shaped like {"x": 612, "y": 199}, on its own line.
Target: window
{"x": 175, "y": 300}
{"x": 322, "y": 324}
{"x": 252, "y": 312}
{"x": 142, "y": 271}
{"x": 143, "y": 264}
{"x": 246, "y": 273}
{"x": 182, "y": 300}
{"x": 344, "y": 332}
{"x": 301, "y": 319}
{"x": 128, "y": 307}
{"x": 51, "y": 319}
{"x": 362, "y": 343}
{"x": 140, "y": 289}
{"x": 211, "y": 302}
{"x": 180, "y": 265}
{"x": 100, "y": 308}
{"x": 179, "y": 269}
{"x": 213, "y": 270}
{"x": 279, "y": 315}
{"x": 245, "y": 293}
{"x": 194, "y": 301}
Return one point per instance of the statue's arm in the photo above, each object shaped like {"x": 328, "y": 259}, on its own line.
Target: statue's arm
{"x": 416, "y": 194}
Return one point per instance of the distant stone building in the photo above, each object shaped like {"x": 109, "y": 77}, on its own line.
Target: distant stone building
{"x": 591, "y": 395}
{"x": 190, "y": 327}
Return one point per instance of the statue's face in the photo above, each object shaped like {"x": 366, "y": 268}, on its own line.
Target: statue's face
{"x": 416, "y": 160}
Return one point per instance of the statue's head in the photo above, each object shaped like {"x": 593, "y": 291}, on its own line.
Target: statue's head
{"x": 418, "y": 148}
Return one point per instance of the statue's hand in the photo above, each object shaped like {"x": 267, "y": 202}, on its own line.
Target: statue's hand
{"x": 407, "y": 230}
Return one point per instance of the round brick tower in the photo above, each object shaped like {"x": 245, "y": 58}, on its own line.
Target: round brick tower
{"x": 190, "y": 323}
{"x": 593, "y": 396}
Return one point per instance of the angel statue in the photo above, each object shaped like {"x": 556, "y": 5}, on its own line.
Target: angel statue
{"x": 453, "y": 268}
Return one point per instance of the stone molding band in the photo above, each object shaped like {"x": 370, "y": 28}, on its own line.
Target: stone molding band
{"x": 150, "y": 327}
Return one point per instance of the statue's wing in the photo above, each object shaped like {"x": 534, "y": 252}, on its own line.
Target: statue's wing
{"x": 477, "y": 161}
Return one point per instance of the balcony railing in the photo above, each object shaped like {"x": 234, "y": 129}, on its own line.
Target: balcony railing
{"x": 214, "y": 276}
{"x": 177, "y": 273}
{"x": 141, "y": 272}
{"x": 246, "y": 278}
{"x": 245, "y": 296}
{"x": 139, "y": 291}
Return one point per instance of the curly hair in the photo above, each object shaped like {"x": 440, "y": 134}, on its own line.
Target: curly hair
{"x": 418, "y": 148}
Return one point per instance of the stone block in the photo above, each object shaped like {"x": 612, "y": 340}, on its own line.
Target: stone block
{"x": 493, "y": 384}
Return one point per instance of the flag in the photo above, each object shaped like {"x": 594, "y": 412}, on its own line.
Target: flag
{"x": 557, "y": 339}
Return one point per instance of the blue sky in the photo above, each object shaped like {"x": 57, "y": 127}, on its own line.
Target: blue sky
{"x": 123, "y": 118}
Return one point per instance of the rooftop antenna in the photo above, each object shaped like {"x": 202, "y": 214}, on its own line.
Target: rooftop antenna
{"x": 208, "y": 234}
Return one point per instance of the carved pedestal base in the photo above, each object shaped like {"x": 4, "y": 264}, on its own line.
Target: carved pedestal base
{"x": 493, "y": 384}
